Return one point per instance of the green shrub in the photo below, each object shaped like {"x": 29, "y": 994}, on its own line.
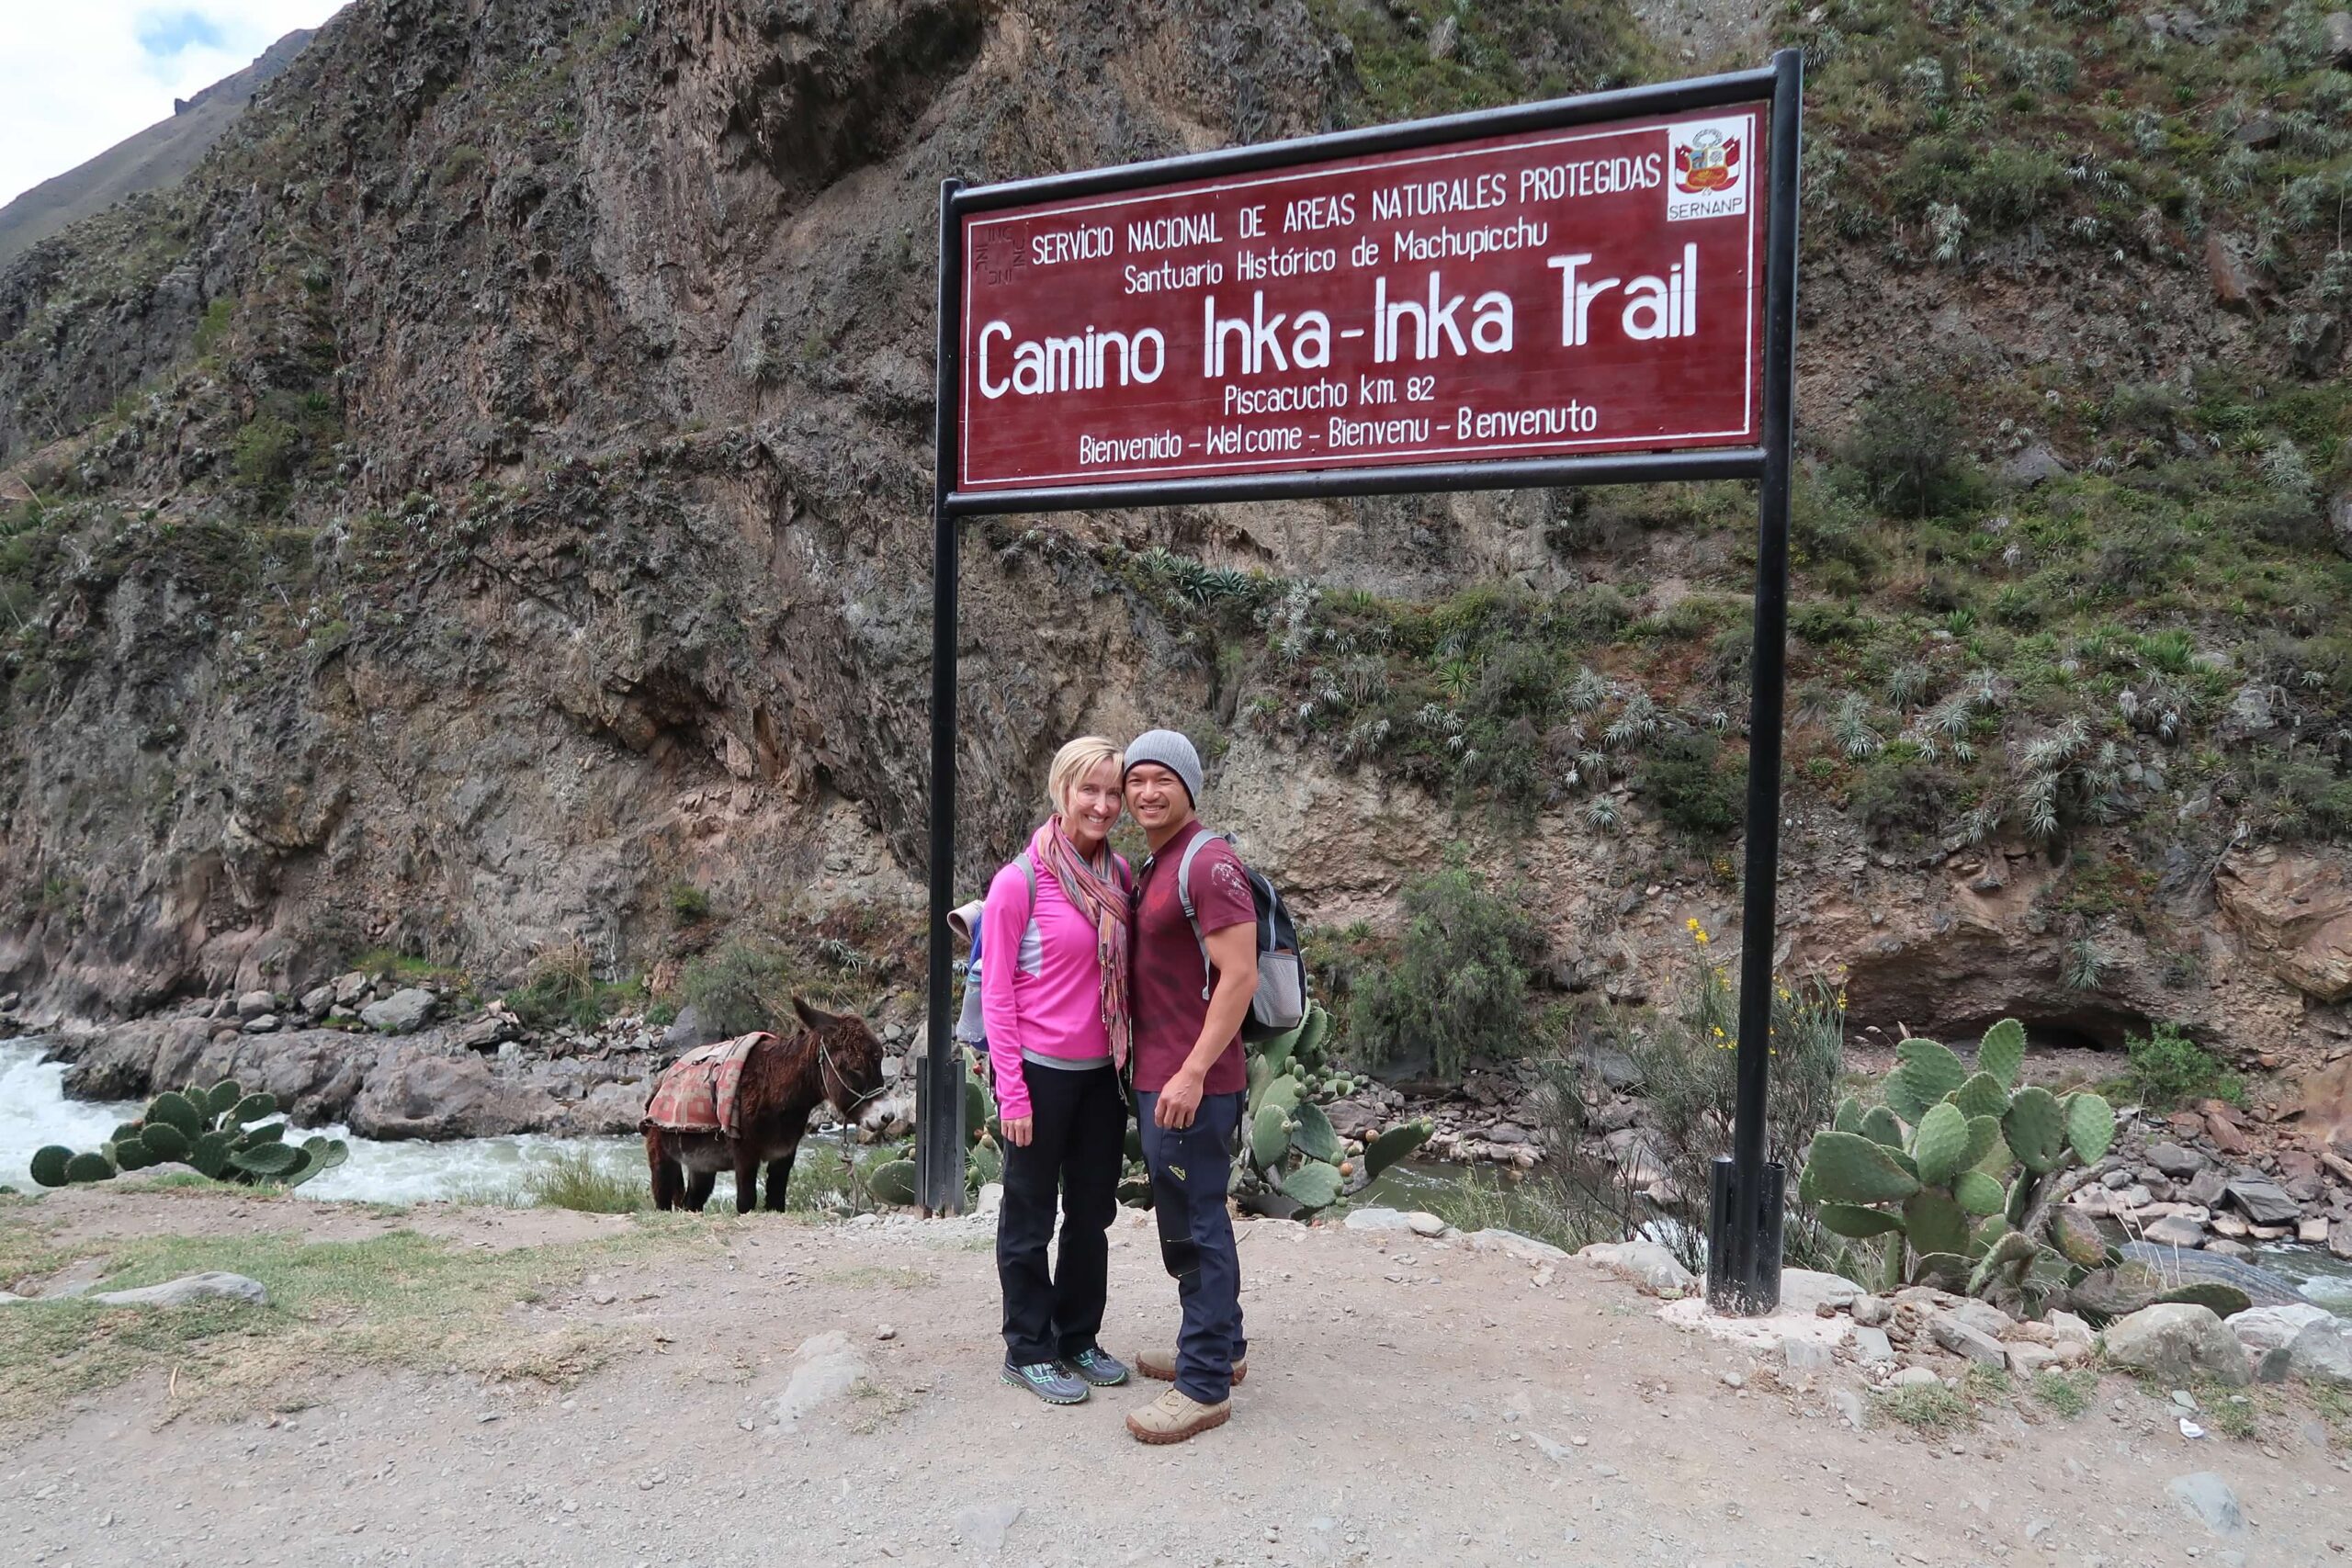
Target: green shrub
{"x": 1899, "y": 797}
{"x": 1694, "y": 787}
{"x": 2166, "y": 1067}
{"x": 689, "y": 902}
{"x": 1906, "y": 444}
{"x": 1458, "y": 987}
{"x": 262, "y": 456}
{"x": 743, "y": 987}
{"x": 574, "y": 1180}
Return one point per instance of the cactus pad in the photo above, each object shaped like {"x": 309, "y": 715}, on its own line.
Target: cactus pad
{"x": 90, "y": 1167}
{"x": 218, "y": 1100}
{"x": 1853, "y": 1169}
{"x": 1927, "y": 1073}
{"x": 1854, "y": 1220}
{"x": 2077, "y": 1240}
{"x": 267, "y": 1161}
{"x": 1385, "y": 1150}
{"x": 986, "y": 1165}
{"x": 2090, "y": 1126}
{"x": 2003, "y": 1051}
{"x": 1850, "y": 1115}
{"x": 1880, "y": 1127}
{"x": 133, "y": 1154}
{"x": 1268, "y": 1138}
{"x": 2224, "y": 1299}
{"x": 1940, "y": 1144}
{"x": 1313, "y": 1185}
{"x": 2035, "y": 1129}
{"x": 48, "y": 1165}
{"x": 254, "y": 1108}
{"x": 1313, "y": 1135}
{"x": 209, "y": 1154}
{"x": 174, "y": 1110}
{"x": 1981, "y": 1096}
{"x": 1934, "y": 1223}
{"x": 892, "y": 1181}
{"x": 1977, "y": 1193}
{"x": 165, "y": 1140}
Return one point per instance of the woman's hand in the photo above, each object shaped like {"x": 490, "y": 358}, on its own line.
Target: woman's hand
{"x": 1018, "y": 1128}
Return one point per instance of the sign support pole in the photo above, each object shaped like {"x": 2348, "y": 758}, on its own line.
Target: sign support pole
{"x": 939, "y": 1087}
{"x": 1745, "y": 1190}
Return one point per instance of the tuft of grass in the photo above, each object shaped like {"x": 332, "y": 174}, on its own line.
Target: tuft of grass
{"x": 574, "y": 1180}
{"x": 2069, "y": 1394}
{"x": 1931, "y": 1408}
{"x": 2167, "y": 1068}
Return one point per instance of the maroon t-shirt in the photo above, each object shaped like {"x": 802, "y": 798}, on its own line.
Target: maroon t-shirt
{"x": 1169, "y": 1007}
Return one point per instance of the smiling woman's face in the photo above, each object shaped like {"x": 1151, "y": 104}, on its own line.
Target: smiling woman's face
{"x": 1090, "y": 808}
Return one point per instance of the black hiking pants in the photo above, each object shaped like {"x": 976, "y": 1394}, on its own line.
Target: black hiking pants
{"x": 1080, "y": 1129}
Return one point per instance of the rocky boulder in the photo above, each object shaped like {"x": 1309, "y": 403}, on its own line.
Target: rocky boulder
{"x": 188, "y": 1290}
{"x": 2274, "y": 1327}
{"x": 2177, "y": 1342}
{"x": 1644, "y": 1263}
{"x": 2323, "y": 1353}
{"x": 403, "y": 1013}
{"x": 419, "y": 1094}
{"x": 2294, "y": 912}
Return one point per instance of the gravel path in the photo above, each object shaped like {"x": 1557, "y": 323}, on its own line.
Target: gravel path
{"x": 1411, "y": 1402}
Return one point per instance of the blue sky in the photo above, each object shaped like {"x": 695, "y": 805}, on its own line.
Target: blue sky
{"x": 78, "y": 76}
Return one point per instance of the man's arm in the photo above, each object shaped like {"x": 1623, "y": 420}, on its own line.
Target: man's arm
{"x": 1233, "y": 954}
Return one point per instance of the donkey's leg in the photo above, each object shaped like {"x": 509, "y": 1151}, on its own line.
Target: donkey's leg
{"x": 780, "y": 1177}
{"x": 747, "y": 1178}
{"x": 664, "y": 1174}
{"x": 698, "y": 1186}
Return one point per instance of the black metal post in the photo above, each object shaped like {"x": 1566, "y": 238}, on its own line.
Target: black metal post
{"x": 939, "y": 1087}
{"x": 1744, "y": 1221}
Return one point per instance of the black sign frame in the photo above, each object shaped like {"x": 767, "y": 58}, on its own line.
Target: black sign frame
{"x": 1744, "y": 1228}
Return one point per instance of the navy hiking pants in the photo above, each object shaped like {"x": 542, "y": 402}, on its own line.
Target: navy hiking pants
{"x": 1190, "y": 1168}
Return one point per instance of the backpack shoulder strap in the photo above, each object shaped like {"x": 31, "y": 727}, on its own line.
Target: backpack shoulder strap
{"x": 1185, "y": 897}
{"x": 1029, "y": 874}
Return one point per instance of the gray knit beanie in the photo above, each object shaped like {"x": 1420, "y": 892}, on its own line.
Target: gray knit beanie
{"x": 1171, "y": 752}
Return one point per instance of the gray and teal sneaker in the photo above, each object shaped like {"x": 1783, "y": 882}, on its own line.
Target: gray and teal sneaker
{"x": 1098, "y": 1367}
{"x": 1048, "y": 1379}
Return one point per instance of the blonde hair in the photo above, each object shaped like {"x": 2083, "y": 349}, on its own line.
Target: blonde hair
{"x": 1073, "y": 763}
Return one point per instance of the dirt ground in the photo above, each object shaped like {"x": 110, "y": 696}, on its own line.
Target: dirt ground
{"x": 1411, "y": 1402}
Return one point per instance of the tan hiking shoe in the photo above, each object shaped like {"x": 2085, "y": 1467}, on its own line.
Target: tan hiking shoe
{"x": 1176, "y": 1416}
{"x": 1160, "y": 1365}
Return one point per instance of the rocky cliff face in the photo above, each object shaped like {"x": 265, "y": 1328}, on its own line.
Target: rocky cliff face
{"x": 494, "y": 490}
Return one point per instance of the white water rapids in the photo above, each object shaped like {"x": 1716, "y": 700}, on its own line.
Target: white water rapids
{"x": 34, "y": 1111}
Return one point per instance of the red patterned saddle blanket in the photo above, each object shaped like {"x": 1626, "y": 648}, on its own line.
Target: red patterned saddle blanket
{"x": 697, "y": 1092}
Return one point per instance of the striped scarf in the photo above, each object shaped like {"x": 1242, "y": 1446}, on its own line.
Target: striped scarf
{"x": 1091, "y": 890}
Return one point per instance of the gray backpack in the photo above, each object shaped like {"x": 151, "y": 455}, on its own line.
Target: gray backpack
{"x": 1280, "y": 1005}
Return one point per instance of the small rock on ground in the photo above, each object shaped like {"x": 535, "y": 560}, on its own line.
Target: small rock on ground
{"x": 2208, "y": 1499}
{"x": 212, "y": 1285}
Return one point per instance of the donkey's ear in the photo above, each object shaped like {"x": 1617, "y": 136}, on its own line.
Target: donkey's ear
{"x": 814, "y": 1018}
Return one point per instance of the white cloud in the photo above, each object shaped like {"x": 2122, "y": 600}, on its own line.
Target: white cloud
{"x": 76, "y": 76}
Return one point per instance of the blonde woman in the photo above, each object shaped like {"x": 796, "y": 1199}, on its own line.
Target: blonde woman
{"x": 1053, "y": 995}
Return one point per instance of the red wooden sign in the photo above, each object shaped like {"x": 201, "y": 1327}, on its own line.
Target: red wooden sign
{"x": 1545, "y": 294}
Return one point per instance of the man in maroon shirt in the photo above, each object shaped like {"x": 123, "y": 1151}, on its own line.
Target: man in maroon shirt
{"x": 1193, "y": 980}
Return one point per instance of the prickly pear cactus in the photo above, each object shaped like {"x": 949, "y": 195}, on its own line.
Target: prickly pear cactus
{"x": 1941, "y": 1176}
{"x": 221, "y": 1131}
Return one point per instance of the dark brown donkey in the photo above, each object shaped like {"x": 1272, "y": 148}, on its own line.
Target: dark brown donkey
{"x": 834, "y": 1059}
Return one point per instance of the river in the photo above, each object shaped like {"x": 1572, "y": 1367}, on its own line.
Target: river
{"x": 34, "y": 1111}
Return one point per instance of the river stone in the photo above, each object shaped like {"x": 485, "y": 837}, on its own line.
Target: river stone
{"x": 1872, "y": 1346}
{"x": 2208, "y": 1499}
{"x": 1510, "y": 1244}
{"x": 1645, "y": 1263}
{"x": 1377, "y": 1219}
{"x": 2176, "y": 1341}
{"x": 350, "y": 989}
{"x": 688, "y": 1031}
{"x": 2175, "y": 1161}
{"x": 1913, "y": 1377}
{"x": 403, "y": 1013}
{"x": 267, "y": 1023}
{"x": 253, "y": 1004}
{"x": 424, "y": 1094}
{"x": 1810, "y": 1289}
{"x": 317, "y": 999}
{"x": 1961, "y": 1340}
{"x": 2264, "y": 1202}
{"x": 1423, "y": 1223}
{"x": 188, "y": 1289}
{"x": 2175, "y": 1230}
{"x": 2207, "y": 1187}
{"x": 2273, "y": 1328}
{"x": 2323, "y": 1353}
